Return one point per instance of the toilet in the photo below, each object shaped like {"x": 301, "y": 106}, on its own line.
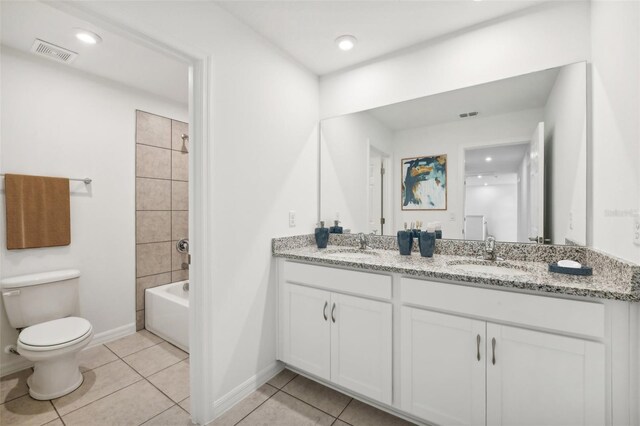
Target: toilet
{"x": 45, "y": 307}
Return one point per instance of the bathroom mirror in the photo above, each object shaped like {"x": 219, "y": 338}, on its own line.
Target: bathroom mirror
{"x": 505, "y": 158}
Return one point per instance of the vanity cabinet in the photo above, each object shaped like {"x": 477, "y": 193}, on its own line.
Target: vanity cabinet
{"x": 458, "y": 370}
{"x": 342, "y": 338}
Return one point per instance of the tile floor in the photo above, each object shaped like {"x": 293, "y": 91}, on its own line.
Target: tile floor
{"x": 141, "y": 379}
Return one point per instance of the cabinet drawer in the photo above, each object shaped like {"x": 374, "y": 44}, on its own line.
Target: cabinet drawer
{"x": 340, "y": 280}
{"x": 568, "y": 316}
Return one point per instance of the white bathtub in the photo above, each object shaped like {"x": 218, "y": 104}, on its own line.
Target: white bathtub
{"x": 166, "y": 313}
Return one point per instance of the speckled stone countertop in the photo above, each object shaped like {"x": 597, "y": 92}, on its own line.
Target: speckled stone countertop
{"x": 611, "y": 279}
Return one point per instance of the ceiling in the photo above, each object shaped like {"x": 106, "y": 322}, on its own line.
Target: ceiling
{"x": 116, "y": 58}
{"x": 306, "y": 30}
{"x": 504, "y": 159}
{"x": 512, "y": 94}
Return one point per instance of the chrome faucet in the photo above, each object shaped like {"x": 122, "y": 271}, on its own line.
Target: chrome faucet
{"x": 362, "y": 239}
{"x": 490, "y": 248}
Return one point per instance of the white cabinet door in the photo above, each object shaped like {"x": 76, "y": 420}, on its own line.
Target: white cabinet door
{"x": 538, "y": 378}
{"x": 361, "y": 346}
{"x": 306, "y": 329}
{"x": 443, "y": 367}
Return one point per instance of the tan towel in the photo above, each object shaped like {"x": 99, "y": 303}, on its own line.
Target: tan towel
{"x": 37, "y": 211}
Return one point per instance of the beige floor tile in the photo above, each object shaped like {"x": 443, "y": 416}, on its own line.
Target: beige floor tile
{"x": 244, "y": 407}
{"x": 133, "y": 343}
{"x": 132, "y": 405}
{"x": 284, "y": 410}
{"x": 97, "y": 384}
{"x": 174, "y": 416}
{"x": 155, "y": 358}
{"x": 317, "y": 395}
{"x": 173, "y": 381}
{"x": 339, "y": 422}
{"x": 25, "y": 411}
{"x": 95, "y": 357}
{"x": 186, "y": 404}
{"x": 360, "y": 414}
{"x": 56, "y": 422}
{"x": 14, "y": 385}
{"x": 282, "y": 378}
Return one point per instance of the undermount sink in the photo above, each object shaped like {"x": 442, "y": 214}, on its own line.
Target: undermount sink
{"x": 349, "y": 253}
{"x": 489, "y": 267}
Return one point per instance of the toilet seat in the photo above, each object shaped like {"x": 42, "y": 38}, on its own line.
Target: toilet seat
{"x": 55, "y": 334}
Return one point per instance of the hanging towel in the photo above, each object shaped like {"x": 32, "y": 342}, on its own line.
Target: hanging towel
{"x": 37, "y": 210}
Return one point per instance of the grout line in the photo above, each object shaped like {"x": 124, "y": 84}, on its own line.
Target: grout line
{"x": 161, "y": 412}
{"x": 343, "y": 410}
{"x": 56, "y": 410}
{"x": 258, "y": 406}
{"x": 313, "y": 406}
{"x": 161, "y": 147}
{"x": 103, "y": 397}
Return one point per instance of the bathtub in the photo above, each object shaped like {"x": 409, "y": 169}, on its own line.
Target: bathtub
{"x": 166, "y": 313}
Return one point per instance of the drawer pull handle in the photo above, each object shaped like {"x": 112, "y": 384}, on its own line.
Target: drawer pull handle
{"x": 333, "y": 313}
{"x": 324, "y": 310}
{"x": 478, "y": 344}
{"x": 493, "y": 348}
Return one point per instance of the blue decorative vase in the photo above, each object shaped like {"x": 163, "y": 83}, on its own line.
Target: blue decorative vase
{"x": 405, "y": 242}
{"x": 322, "y": 236}
{"x": 427, "y": 243}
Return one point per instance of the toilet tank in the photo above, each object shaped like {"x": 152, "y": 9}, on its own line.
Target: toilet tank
{"x": 32, "y": 299}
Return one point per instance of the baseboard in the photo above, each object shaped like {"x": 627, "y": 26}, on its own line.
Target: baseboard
{"x": 244, "y": 389}
{"x": 16, "y": 364}
{"x": 113, "y": 334}
{"x": 19, "y": 363}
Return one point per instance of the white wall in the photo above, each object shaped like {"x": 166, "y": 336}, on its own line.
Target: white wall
{"x": 555, "y": 33}
{"x": 499, "y": 204}
{"x": 60, "y": 122}
{"x": 615, "y": 28}
{"x": 565, "y": 128}
{"x": 264, "y": 151}
{"x": 345, "y": 167}
{"x": 450, "y": 138}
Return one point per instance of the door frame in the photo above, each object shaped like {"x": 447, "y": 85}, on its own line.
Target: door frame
{"x": 201, "y": 200}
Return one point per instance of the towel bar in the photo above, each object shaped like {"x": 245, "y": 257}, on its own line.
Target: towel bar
{"x": 86, "y": 181}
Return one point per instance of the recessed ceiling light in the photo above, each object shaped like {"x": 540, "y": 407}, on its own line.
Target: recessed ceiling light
{"x": 346, "y": 42}
{"x": 479, "y": 176}
{"x": 488, "y": 159}
{"x": 87, "y": 37}
{"x": 485, "y": 184}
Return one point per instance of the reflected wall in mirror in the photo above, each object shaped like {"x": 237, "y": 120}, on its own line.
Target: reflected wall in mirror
{"x": 515, "y": 160}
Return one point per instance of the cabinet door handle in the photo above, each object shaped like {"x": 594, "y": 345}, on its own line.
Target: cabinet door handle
{"x": 324, "y": 310}
{"x": 478, "y": 344}
{"x": 493, "y": 349}
{"x": 333, "y": 311}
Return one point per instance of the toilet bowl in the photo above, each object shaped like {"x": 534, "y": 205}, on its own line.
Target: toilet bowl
{"x": 53, "y": 346}
{"x": 44, "y": 307}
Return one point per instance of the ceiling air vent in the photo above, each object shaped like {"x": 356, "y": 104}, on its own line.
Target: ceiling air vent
{"x": 52, "y": 51}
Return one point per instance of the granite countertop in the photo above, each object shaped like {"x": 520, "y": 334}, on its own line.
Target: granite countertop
{"x": 529, "y": 275}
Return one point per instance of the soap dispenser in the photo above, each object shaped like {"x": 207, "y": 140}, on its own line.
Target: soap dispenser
{"x": 322, "y": 235}
{"x": 405, "y": 241}
{"x": 336, "y": 228}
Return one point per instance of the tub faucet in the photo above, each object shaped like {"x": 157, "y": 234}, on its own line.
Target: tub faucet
{"x": 362, "y": 239}
{"x": 490, "y": 248}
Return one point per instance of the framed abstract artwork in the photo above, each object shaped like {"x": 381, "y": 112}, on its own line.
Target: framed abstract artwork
{"x": 424, "y": 183}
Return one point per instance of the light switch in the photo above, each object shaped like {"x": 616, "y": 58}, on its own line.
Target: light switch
{"x": 636, "y": 230}
{"x": 292, "y": 219}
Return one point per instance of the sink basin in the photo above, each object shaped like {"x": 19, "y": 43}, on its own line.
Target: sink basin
{"x": 349, "y": 253}
{"x": 493, "y": 268}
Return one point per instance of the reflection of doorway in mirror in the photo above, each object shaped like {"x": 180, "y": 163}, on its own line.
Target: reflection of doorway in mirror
{"x": 498, "y": 188}
{"x": 379, "y": 206}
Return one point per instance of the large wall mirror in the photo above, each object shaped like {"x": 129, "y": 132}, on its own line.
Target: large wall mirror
{"x": 506, "y": 159}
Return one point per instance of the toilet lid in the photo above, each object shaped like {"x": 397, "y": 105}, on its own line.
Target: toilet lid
{"x": 56, "y": 332}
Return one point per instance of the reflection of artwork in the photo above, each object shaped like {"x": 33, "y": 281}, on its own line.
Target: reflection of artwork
{"x": 424, "y": 183}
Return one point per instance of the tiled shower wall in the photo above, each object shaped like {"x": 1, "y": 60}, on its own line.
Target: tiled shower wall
{"x": 161, "y": 203}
